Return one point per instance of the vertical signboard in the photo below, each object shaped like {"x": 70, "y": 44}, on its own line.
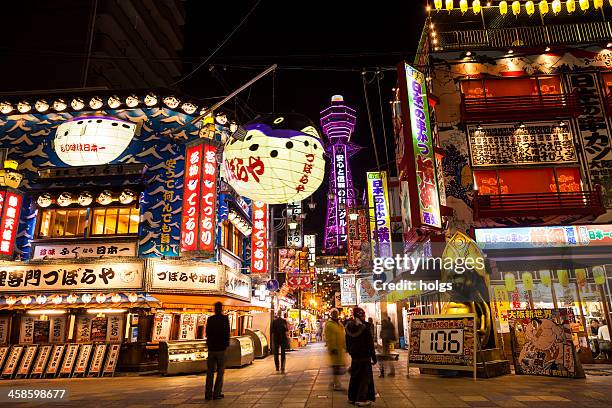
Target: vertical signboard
{"x": 418, "y": 164}
{"x": 188, "y": 326}
{"x": 199, "y": 201}
{"x": 9, "y": 222}
{"x": 294, "y": 214}
{"x": 380, "y": 221}
{"x": 161, "y": 327}
{"x": 358, "y": 239}
{"x": 594, "y": 132}
{"x": 310, "y": 244}
{"x": 339, "y": 152}
{"x": 259, "y": 238}
{"x": 348, "y": 290}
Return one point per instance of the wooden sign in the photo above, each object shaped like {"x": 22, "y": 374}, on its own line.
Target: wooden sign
{"x": 41, "y": 361}
{"x": 12, "y": 361}
{"x": 97, "y": 361}
{"x": 54, "y": 361}
{"x": 26, "y": 361}
{"x": 3, "y": 353}
{"x": 443, "y": 342}
{"x": 69, "y": 359}
{"x": 111, "y": 359}
{"x": 82, "y": 360}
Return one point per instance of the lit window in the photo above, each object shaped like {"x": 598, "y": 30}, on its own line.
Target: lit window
{"x": 58, "y": 223}
{"x": 115, "y": 221}
{"x": 55, "y": 223}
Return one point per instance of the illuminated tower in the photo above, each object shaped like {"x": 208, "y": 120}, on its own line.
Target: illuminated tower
{"x": 338, "y": 122}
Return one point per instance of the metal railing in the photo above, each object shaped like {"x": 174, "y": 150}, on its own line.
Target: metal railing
{"x": 538, "y": 204}
{"x": 587, "y": 32}
{"x": 524, "y": 107}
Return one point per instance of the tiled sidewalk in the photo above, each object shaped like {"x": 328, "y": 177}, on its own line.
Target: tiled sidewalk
{"x": 306, "y": 384}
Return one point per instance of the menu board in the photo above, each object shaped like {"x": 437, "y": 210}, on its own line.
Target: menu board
{"x": 188, "y": 324}
{"x": 41, "y": 360}
{"x": 4, "y": 331}
{"x": 115, "y": 328}
{"x": 12, "y": 361}
{"x": 83, "y": 329}
{"x": 3, "y": 353}
{"x": 99, "y": 327}
{"x": 56, "y": 357}
{"x": 27, "y": 360}
{"x": 41, "y": 331}
{"x": 83, "y": 359}
{"x": 26, "y": 333}
{"x": 58, "y": 329}
{"x": 97, "y": 360}
{"x": 111, "y": 360}
{"x": 69, "y": 358}
{"x": 161, "y": 327}
{"x": 443, "y": 342}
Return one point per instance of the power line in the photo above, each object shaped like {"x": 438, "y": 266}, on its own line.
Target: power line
{"x": 244, "y": 19}
{"x": 365, "y": 93}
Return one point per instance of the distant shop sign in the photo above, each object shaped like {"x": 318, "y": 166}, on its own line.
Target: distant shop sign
{"x": 71, "y": 251}
{"x": 545, "y": 237}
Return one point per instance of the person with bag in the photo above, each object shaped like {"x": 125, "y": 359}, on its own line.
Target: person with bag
{"x": 388, "y": 337}
{"x": 336, "y": 344}
{"x": 280, "y": 341}
{"x": 360, "y": 346}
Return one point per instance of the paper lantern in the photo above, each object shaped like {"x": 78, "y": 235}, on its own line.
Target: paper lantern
{"x": 597, "y": 4}
{"x": 503, "y": 7}
{"x": 59, "y": 105}
{"x": 581, "y": 276}
{"x": 476, "y": 6}
{"x": 510, "y": 281}
{"x": 65, "y": 199}
{"x": 516, "y": 7}
{"x": 100, "y": 298}
{"x": 41, "y": 105}
{"x": 85, "y": 198}
{"x": 545, "y": 278}
{"x": 530, "y": 8}
{"x": 95, "y": 102}
{"x": 570, "y": 5}
{"x": 527, "y": 279}
{"x": 5, "y": 108}
{"x": 26, "y": 300}
{"x": 131, "y": 101}
{"x": 543, "y": 6}
{"x": 584, "y": 5}
{"x": 72, "y": 298}
{"x": 116, "y": 298}
{"x": 463, "y": 5}
{"x": 449, "y": 5}
{"x": 92, "y": 140}
{"x": 11, "y": 300}
{"x": 77, "y": 104}
{"x": 105, "y": 197}
{"x": 86, "y": 298}
{"x": 133, "y": 297}
{"x": 44, "y": 200}
{"x": 41, "y": 299}
{"x": 556, "y": 6}
{"x": 438, "y": 4}
{"x": 599, "y": 275}
{"x": 56, "y": 299}
{"x": 127, "y": 196}
{"x": 23, "y": 107}
{"x": 280, "y": 159}
{"x": 563, "y": 277}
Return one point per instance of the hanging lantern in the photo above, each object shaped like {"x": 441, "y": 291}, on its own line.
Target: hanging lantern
{"x": 545, "y": 278}
{"x": 72, "y": 298}
{"x": 476, "y": 7}
{"x": 26, "y": 300}
{"x": 116, "y": 298}
{"x": 597, "y": 4}
{"x": 556, "y": 6}
{"x": 563, "y": 277}
{"x": 530, "y": 8}
{"x": 56, "y": 299}
{"x": 133, "y": 297}
{"x": 510, "y": 281}
{"x": 599, "y": 275}
{"x": 527, "y": 279}
{"x": 449, "y": 5}
{"x": 543, "y": 6}
{"x": 438, "y": 4}
{"x": 463, "y": 5}
{"x": 11, "y": 300}
{"x": 584, "y": 5}
{"x": 581, "y": 276}
{"x": 516, "y": 7}
{"x": 280, "y": 159}
{"x": 85, "y": 198}
{"x": 86, "y": 298}
{"x": 503, "y": 7}
{"x": 570, "y": 5}
{"x": 41, "y": 299}
{"x": 100, "y": 298}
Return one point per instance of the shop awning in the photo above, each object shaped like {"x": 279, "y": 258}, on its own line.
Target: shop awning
{"x": 81, "y": 300}
{"x": 172, "y": 301}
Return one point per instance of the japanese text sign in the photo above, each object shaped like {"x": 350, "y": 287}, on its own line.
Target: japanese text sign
{"x": 10, "y": 204}
{"x": 380, "y": 220}
{"x": 259, "y": 238}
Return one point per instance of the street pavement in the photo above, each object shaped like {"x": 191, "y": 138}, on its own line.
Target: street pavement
{"x": 306, "y": 384}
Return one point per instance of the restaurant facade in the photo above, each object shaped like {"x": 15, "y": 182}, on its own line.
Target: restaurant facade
{"x": 120, "y": 233}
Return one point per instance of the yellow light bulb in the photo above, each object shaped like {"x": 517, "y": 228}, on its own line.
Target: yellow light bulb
{"x": 597, "y": 4}
{"x": 584, "y": 5}
{"x": 438, "y": 4}
{"x": 570, "y": 5}
{"x": 556, "y": 6}
{"x": 449, "y": 5}
{"x": 530, "y": 8}
{"x": 543, "y": 6}
{"x": 476, "y": 6}
{"x": 516, "y": 7}
{"x": 463, "y": 5}
{"x": 503, "y": 7}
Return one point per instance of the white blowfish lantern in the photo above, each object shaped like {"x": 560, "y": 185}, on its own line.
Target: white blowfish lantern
{"x": 280, "y": 159}
{"x": 92, "y": 140}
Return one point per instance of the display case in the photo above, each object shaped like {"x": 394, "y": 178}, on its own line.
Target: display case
{"x": 260, "y": 343}
{"x": 240, "y": 352}
{"x": 182, "y": 357}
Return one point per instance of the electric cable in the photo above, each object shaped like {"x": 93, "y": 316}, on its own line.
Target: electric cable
{"x": 365, "y": 93}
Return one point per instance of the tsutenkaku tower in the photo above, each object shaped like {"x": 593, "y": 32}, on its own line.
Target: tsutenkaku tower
{"x": 338, "y": 123}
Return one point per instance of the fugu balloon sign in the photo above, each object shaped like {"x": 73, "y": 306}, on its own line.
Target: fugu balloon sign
{"x": 281, "y": 159}
{"x": 92, "y": 140}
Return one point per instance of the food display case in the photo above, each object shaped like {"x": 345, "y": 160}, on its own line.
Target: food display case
{"x": 240, "y": 352}
{"x": 260, "y": 343}
{"x": 182, "y": 357}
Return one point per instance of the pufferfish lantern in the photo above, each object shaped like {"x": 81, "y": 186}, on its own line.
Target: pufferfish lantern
{"x": 279, "y": 160}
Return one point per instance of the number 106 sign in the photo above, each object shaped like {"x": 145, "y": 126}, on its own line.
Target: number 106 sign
{"x": 442, "y": 342}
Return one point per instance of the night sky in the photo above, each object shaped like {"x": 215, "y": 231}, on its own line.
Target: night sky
{"x": 321, "y": 48}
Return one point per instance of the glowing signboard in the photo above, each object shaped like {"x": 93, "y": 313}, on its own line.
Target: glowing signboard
{"x": 259, "y": 238}
{"x": 92, "y": 140}
{"x": 10, "y": 204}
{"x": 380, "y": 221}
{"x": 339, "y": 152}
{"x": 544, "y": 237}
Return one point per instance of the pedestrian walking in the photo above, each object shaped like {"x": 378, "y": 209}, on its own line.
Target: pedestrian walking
{"x": 336, "y": 344}
{"x": 217, "y": 341}
{"x": 388, "y": 337}
{"x": 280, "y": 342}
{"x": 360, "y": 346}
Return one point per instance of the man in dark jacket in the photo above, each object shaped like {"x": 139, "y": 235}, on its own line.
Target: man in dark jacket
{"x": 217, "y": 340}
{"x": 279, "y": 331}
{"x": 360, "y": 346}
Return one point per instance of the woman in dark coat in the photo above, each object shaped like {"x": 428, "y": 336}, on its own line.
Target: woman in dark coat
{"x": 360, "y": 346}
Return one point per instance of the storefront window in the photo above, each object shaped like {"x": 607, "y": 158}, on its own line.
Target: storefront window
{"x": 56, "y": 223}
{"x": 237, "y": 244}
{"x": 494, "y": 88}
{"x": 115, "y": 221}
{"x": 528, "y": 180}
